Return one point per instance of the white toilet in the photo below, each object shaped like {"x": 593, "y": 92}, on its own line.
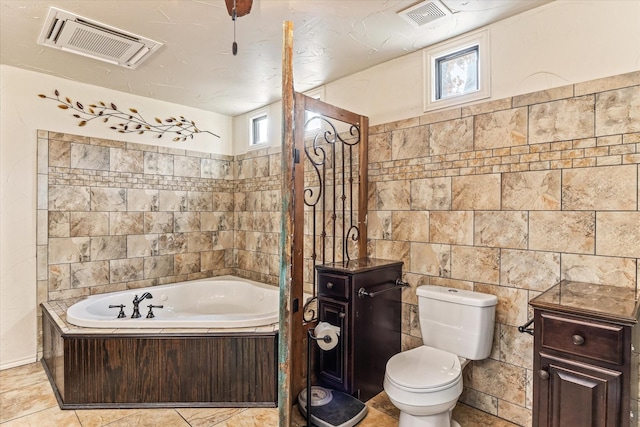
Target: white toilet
{"x": 426, "y": 382}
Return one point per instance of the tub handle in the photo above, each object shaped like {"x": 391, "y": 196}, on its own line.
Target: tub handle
{"x": 121, "y": 307}
{"x": 150, "y": 314}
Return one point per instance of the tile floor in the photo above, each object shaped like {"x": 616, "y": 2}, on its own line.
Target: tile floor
{"x": 26, "y": 399}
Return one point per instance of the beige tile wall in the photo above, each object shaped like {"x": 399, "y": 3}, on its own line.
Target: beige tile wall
{"x": 505, "y": 197}
{"x": 509, "y": 197}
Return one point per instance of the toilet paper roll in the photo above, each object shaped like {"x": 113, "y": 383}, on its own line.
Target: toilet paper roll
{"x": 324, "y": 330}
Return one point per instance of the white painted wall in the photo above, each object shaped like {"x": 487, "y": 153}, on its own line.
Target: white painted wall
{"x": 22, "y": 113}
{"x": 560, "y": 43}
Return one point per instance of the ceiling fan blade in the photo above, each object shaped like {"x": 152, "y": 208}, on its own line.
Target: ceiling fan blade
{"x": 243, "y": 7}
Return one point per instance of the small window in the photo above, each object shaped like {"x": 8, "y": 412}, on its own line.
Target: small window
{"x": 258, "y": 128}
{"x": 312, "y": 125}
{"x": 457, "y": 72}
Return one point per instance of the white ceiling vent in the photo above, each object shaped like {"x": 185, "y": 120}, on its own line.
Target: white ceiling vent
{"x": 425, "y": 13}
{"x": 73, "y": 33}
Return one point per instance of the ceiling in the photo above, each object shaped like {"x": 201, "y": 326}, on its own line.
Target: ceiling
{"x": 195, "y": 65}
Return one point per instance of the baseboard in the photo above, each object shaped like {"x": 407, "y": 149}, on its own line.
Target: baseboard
{"x": 17, "y": 363}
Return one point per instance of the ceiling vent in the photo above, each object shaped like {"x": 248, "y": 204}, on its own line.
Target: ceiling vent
{"x": 72, "y": 33}
{"x": 425, "y": 13}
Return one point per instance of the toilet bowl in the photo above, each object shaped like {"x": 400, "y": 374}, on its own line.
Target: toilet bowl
{"x": 424, "y": 384}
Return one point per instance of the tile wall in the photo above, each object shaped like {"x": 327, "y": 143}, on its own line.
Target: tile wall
{"x": 505, "y": 197}
{"x": 508, "y": 197}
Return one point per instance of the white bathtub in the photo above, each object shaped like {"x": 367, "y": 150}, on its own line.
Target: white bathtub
{"x": 219, "y": 302}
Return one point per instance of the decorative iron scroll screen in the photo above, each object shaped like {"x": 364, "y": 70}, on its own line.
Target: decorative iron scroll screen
{"x": 331, "y": 190}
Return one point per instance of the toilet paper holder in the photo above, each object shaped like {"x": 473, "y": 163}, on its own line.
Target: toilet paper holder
{"x": 399, "y": 283}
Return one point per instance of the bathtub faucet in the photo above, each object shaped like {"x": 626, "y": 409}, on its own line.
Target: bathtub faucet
{"x": 136, "y": 303}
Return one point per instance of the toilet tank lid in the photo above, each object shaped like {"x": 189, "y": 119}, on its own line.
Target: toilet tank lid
{"x": 458, "y": 296}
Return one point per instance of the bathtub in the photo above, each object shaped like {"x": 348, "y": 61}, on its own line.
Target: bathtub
{"x": 219, "y": 302}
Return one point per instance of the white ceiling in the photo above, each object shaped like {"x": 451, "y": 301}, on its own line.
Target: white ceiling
{"x": 195, "y": 67}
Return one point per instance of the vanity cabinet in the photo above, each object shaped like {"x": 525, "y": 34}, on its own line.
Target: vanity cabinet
{"x": 370, "y": 326}
{"x": 585, "y": 366}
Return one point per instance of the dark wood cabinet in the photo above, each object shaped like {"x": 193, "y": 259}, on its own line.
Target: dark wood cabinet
{"x": 585, "y": 363}
{"x": 370, "y": 325}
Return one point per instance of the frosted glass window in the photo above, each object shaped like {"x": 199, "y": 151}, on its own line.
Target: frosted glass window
{"x": 457, "y": 73}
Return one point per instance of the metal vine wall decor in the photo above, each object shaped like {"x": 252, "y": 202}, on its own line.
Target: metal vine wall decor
{"x": 128, "y": 122}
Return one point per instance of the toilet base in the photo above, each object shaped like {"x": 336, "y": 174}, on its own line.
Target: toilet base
{"x": 437, "y": 420}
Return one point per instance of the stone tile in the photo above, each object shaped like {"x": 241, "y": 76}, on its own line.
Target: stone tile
{"x": 85, "y": 274}
{"x": 475, "y": 192}
{"x": 186, "y": 221}
{"x": 453, "y": 136}
{"x": 608, "y": 83}
{"x": 513, "y": 304}
{"x": 516, "y": 348}
{"x": 26, "y": 400}
{"x": 199, "y": 201}
{"x": 506, "y": 128}
{"x": 487, "y": 107}
{"x": 88, "y": 224}
{"x": 618, "y": 111}
{"x": 63, "y": 250}
{"x": 431, "y": 194}
{"x": 186, "y": 263}
{"x": 529, "y": 269}
{"x": 596, "y": 269}
{"x": 214, "y": 221}
{"x": 410, "y": 225}
{"x": 172, "y": 200}
{"x": 205, "y": 417}
{"x": 123, "y": 160}
{"x": 379, "y": 225}
{"x": 59, "y": 277}
{"x": 475, "y": 264}
{"x": 567, "y": 231}
{"x": 48, "y": 417}
{"x": 200, "y": 241}
{"x": 476, "y": 400}
{"x": 375, "y": 418}
{"x": 562, "y": 120}
{"x": 151, "y": 418}
{"x": 172, "y": 243}
{"x": 393, "y": 195}
{"x": 515, "y": 413}
{"x": 380, "y": 147}
{"x": 618, "y": 234}
{"x": 126, "y": 270}
{"x": 143, "y": 200}
{"x": 441, "y": 116}
{"x": 543, "y": 96}
{"x": 59, "y": 154}
{"x": 158, "y": 222}
{"x": 499, "y": 229}
{"x": 539, "y": 190}
{"x": 21, "y": 376}
{"x": 108, "y": 199}
{"x": 212, "y": 260}
{"x": 393, "y": 250}
{"x": 600, "y": 188}
{"x": 410, "y": 143}
{"x": 186, "y": 166}
{"x": 108, "y": 247}
{"x": 102, "y": 417}
{"x": 158, "y": 164}
{"x": 382, "y": 403}
{"x": 58, "y": 224}
{"x": 506, "y": 382}
{"x": 84, "y": 156}
{"x": 124, "y": 223}
{"x": 431, "y": 259}
{"x": 253, "y": 417}
{"x": 69, "y": 198}
{"x": 158, "y": 266}
{"x": 141, "y": 245}
{"x": 453, "y": 227}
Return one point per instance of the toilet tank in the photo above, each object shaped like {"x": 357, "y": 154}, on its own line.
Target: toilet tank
{"x": 458, "y": 321}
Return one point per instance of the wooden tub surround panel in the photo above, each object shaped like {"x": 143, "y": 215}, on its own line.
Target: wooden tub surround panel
{"x": 127, "y": 370}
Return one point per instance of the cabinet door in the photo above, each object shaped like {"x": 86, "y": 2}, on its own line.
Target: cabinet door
{"x": 571, "y": 393}
{"x": 334, "y": 368}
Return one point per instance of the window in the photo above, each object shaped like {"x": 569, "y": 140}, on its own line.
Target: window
{"x": 259, "y": 128}
{"x": 313, "y": 126}
{"x": 457, "y": 72}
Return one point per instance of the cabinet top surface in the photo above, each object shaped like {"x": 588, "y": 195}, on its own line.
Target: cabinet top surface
{"x": 358, "y": 265}
{"x": 606, "y": 302}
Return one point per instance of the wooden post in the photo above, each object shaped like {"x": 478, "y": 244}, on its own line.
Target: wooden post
{"x": 285, "y": 398}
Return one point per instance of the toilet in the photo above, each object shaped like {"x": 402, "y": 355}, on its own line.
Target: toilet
{"x": 425, "y": 383}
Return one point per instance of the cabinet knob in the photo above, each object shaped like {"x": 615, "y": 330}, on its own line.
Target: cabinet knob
{"x": 329, "y": 285}
{"x": 544, "y": 375}
{"x": 578, "y": 339}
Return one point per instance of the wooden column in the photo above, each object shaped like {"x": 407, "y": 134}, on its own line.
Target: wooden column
{"x": 285, "y": 397}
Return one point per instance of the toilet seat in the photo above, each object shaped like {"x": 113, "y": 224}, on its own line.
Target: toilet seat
{"x": 424, "y": 369}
